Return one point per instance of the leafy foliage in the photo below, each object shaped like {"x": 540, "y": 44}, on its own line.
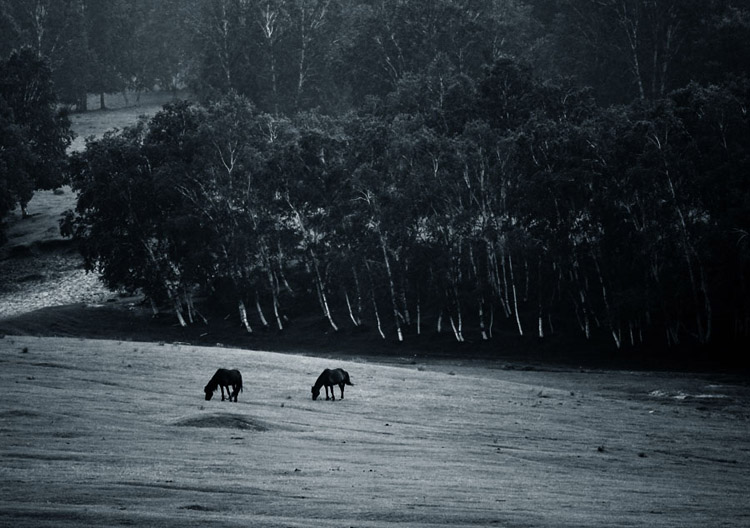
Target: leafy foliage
{"x": 34, "y": 134}
{"x": 539, "y": 167}
{"x": 530, "y": 205}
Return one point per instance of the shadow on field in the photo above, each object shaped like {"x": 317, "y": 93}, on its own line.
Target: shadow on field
{"x": 225, "y": 421}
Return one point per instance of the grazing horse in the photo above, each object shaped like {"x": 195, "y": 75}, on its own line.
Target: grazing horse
{"x": 224, "y": 378}
{"x": 329, "y": 378}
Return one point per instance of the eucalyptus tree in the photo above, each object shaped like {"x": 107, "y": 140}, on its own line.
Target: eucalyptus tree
{"x": 311, "y": 187}
{"x": 109, "y": 30}
{"x": 715, "y": 121}
{"x": 36, "y": 133}
{"x": 643, "y": 49}
{"x": 14, "y": 152}
{"x": 223, "y": 36}
{"x": 117, "y": 220}
{"x": 161, "y": 52}
{"x": 314, "y": 27}
{"x": 228, "y": 196}
{"x": 383, "y": 41}
{"x": 131, "y": 220}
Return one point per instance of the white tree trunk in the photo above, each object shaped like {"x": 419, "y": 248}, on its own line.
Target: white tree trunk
{"x": 392, "y": 287}
{"x": 354, "y": 319}
{"x": 457, "y": 330}
{"x": 178, "y": 312}
{"x": 482, "y": 326}
{"x": 263, "y": 320}
{"x": 515, "y": 295}
{"x": 243, "y": 316}
{"x": 377, "y": 316}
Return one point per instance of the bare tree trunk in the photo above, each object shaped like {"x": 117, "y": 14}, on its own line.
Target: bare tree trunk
{"x": 271, "y": 31}
{"x": 494, "y": 275}
{"x": 614, "y": 331}
{"x": 703, "y": 332}
{"x": 482, "y": 327}
{"x": 359, "y": 294}
{"x": 281, "y": 270}
{"x": 404, "y": 304}
{"x": 631, "y": 26}
{"x": 177, "y": 308}
{"x": 349, "y": 306}
{"x": 374, "y": 302}
{"x": 274, "y": 284}
{"x": 515, "y": 296}
{"x": 189, "y": 305}
{"x": 505, "y": 300}
{"x": 457, "y": 325}
{"x": 392, "y": 287}
{"x": 319, "y": 285}
{"x": 457, "y": 330}
{"x": 419, "y": 316}
{"x": 243, "y": 316}
{"x": 263, "y": 320}
{"x": 377, "y": 316}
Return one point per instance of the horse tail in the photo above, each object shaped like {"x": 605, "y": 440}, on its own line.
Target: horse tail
{"x": 240, "y": 375}
{"x": 348, "y": 381}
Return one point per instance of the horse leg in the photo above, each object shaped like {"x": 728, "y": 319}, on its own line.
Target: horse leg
{"x": 236, "y": 391}
{"x": 341, "y": 386}
{"x": 327, "y": 398}
{"x": 222, "y": 391}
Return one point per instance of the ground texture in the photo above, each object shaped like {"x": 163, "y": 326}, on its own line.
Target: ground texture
{"x": 108, "y": 433}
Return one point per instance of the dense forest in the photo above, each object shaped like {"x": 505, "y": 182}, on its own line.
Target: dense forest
{"x": 461, "y": 166}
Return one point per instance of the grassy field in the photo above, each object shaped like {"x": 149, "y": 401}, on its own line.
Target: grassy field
{"x": 119, "y": 113}
{"x": 108, "y": 433}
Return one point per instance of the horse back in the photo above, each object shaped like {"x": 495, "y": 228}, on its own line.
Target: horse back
{"x": 337, "y": 376}
{"x": 228, "y": 377}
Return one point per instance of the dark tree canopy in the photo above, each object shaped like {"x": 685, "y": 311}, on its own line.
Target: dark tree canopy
{"x": 471, "y": 167}
{"x": 521, "y": 206}
{"x": 35, "y": 135}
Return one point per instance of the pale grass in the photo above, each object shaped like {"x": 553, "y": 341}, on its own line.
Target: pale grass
{"x": 107, "y": 433}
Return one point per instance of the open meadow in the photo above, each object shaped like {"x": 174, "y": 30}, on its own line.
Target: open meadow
{"x": 117, "y": 433}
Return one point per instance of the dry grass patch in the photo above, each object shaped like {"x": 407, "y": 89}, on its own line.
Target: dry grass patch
{"x": 123, "y": 435}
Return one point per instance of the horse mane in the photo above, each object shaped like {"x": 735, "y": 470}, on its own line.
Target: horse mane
{"x": 213, "y": 383}
{"x": 320, "y": 381}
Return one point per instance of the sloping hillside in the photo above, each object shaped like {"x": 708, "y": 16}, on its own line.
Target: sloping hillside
{"x": 115, "y": 433}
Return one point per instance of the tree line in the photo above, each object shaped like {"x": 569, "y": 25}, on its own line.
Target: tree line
{"x": 432, "y": 165}
{"x": 451, "y": 205}
{"x": 293, "y": 55}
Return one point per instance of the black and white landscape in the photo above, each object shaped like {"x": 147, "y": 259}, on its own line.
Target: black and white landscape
{"x": 520, "y": 225}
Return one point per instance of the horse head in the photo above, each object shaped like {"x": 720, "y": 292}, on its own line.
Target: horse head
{"x": 315, "y": 393}
{"x": 209, "y": 393}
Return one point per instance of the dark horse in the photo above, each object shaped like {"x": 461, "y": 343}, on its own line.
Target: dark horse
{"x": 225, "y": 378}
{"x": 329, "y": 378}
